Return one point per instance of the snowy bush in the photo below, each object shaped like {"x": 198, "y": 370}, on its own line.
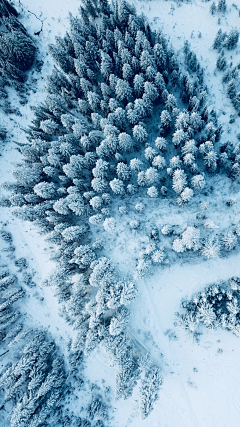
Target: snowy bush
{"x": 152, "y": 192}
{"x": 178, "y": 245}
{"x": 191, "y": 238}
{"x": 229, "y": 241}
{"x": 211, "y": 248}
{"x": 109, "y": 224}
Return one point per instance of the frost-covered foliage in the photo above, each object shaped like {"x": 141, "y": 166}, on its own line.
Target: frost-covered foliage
{"x": 16, "y": 47}
{"x": 216, "y": 306}
{"x": 33, "y": 377}
{"x": 36, "y": 382}
{"x": 190, "y": 240}
{"x": 149, "y": 389}
{"x": 90, "y": 145}
{"x": 152, "y": 253}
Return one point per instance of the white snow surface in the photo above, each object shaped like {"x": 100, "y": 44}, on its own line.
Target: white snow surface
{"x": 201, "y": 380}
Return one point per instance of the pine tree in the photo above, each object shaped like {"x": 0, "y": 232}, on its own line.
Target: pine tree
{"x": 232, "y": 39}
{"x": 222, "y": 7}
{"x": 117, "y": 186}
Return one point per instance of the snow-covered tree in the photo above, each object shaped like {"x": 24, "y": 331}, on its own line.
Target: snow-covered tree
{"x": 109, "y": 224}
{"x": 179, "y": 181}
{"x": 136, "y": 164}
{"x": 152, "y": 192}
{"x": 211, "y": 248}
{"x": 179, "y": 137}
{"x": 229, "y": 240}
{"x": 178, "y": 245}
{"x": 117, "y": 186}
{"x": 159, "y": 162}
{"x": 123, "y": 171}
{"x": 140, "y": 134}
{"x": 191, "y": 238}
{"x": 198, "y": 182}
{"x": 119, "y": 321}
{"x": 149, "y": 390}
{"x": 123, "y": 90}
{"x": 125, "y": 142}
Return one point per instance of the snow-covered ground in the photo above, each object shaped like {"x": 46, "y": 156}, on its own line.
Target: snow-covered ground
{"x": 201, "y": 380}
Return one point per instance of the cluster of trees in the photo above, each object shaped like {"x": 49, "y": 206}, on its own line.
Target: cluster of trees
{"x": 17, "y": 49}
{"x": 32, "y": 379}
{"x": 89, "y": 143}
{"x": 202, "y": 239}
{"x": 216, "y": 306}
{"x": 149, "y": 389}
{"x": 152, "y": 253}
{"x": 210, "y": 243}
{"x": 35, "y": 384}
{"x": 231, "y": 74}
{"x": 221, "y": 7}
{"x": 224, "y": 40}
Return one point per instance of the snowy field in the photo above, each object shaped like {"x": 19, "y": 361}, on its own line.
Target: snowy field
{"x": 201, "y": 378}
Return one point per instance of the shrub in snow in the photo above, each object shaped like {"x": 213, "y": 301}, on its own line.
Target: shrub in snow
{"x": 134, "y": 224}
{"x": 166, "y": 230}
{"x": 122, "y": 210}
{"x": 141, "y": 179}
{"x": 142, "y": 268}
{"x": 210, "y": 224}
{"x": 178, "y": 245}
{"x": 131, "y": 189}
{"x": 211, "y": 248}
{"x": 152, "y": 192}
{"x": 105, "y": 211}
{"x": 109, "y": 224}
{"x": 96, "y": 219}
{"x": 158, "y": 256}
{"x": 139, "y": 207}
{"x": 229, "y": 240}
